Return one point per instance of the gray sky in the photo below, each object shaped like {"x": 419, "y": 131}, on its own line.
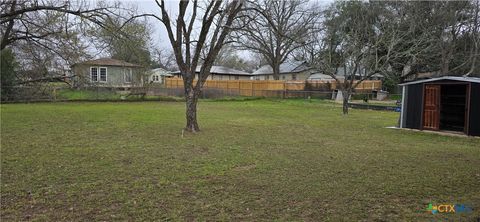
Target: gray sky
{"x": 159, "y": 35}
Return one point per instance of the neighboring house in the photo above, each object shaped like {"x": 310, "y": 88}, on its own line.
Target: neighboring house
{"x": 107, "y": 72}
{"x": 320, "y": 76}
{"x": 361, "y": 72}
{"x": 341, "y": 76}
{"x": 288, "y": 71}
{"x": 446, "y": 103}
{"x": 158, "y": 75}
{"x": 221, "y": 73}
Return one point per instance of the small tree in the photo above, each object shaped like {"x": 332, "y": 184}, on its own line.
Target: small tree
{"x": 215, "y": 25}
{"x": 356, "y": 45}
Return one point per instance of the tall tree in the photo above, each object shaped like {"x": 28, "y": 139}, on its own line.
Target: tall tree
{"x": 275, "y": 29}
{"x": 127, "y": 39}
{"x": 395, "y": 39}
{"x": 228, "y": 57}
{"x": 163, "y": 58}
{"x": 214, "y": 21}
{"x": 25, "y": 20}
{"x": 438, "y": 36}
{"x": 356, "y": 45}
{"x": 46, "y": 35}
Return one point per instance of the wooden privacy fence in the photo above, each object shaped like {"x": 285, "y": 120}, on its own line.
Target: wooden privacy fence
{"x": 262, "y": 87}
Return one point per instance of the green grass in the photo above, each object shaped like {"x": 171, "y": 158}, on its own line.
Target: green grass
{"x": 253, "y": 160}
{"x": 72, "y": 94}
{"x": 376, "y": 103}
{"x": 104, "y": 94}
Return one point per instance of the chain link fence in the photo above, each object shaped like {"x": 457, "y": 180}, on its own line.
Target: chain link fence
{"x": 52, "y": 93}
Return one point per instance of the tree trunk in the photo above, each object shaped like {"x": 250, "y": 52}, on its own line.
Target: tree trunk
{"x": 191, "y": 110}
{"x": 276, "y": 71}
{"x": 345, "y": 95}
{"x": 6, "y": 34}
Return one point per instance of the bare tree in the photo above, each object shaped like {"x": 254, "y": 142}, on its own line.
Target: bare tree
{"x": 275, "y": 29}
{"x": 357, "y": 44}
{"x": 21, "y": 19}
{"x": 47, "y": 36}
{"x": 163, "y": 58}
{"x": 455, "y": 20}
{"x": 128, "y": 41}
{"x": 229, "y": 57}
{"x": 440, "y": 37}
{"x": 215, "y": 25}
{"x": 475, "y": 50}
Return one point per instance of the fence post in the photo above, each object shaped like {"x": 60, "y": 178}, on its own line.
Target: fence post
{"x": 228, "y": 91}
{"x": 54, "y": 94}
{"x": 251, "y": 84}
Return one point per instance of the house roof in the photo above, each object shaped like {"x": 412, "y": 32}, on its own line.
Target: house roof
{"x": 160, "y": 71}
{"x": 319, "y": 76}
{"x": 221, "y": 70}
{"x": 341, "y": 71}
{"x": 454, "y": 78}
{"x": 109, "y": 62}
{"x": 224, "y": 70}
{"x": 287, "y": 67}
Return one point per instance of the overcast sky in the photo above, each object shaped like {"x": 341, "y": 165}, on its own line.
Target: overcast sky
{"x": 159, "y": 35}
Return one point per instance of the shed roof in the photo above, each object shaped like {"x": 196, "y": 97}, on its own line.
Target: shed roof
{"x": 454, "y": 78}
{"x": 109, "y": 62}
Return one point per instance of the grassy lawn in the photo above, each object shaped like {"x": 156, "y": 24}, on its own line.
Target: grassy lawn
{"x": 254, "y": 160}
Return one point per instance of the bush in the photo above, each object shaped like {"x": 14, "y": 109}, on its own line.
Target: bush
{"x": 7, "y": 73}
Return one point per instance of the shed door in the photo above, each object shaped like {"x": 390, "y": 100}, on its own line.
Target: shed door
{"x": 431, "y": 108}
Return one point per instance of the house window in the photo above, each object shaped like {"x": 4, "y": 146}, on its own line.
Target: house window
{"x": 220, "y": 77}
{"x": 127, "y": 75}
{"x": 267, "y": 77}
{"x": 236, "y": 78}
{"x": 283, "y": 77}
{"x": 94, "y": 74}
{"x": 294, "y": 76}
{"x": 155, "y": 78}
{"x": 103, "y": 74}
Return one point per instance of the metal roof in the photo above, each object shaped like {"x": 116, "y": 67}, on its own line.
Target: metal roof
{"x": 224, "y": 70}
{"x": 316, "y": 76}
{"x": 454, "y": 78}
{"x": 109, "y": 62}
{"x": 286, "y": 67}
{"x": 221, "y": 70}
{"x": 160, "y": 71}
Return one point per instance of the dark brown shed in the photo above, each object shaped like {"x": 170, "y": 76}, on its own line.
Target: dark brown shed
{"x": 448, "y": 103}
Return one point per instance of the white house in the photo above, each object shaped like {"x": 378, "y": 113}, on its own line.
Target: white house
{"x": 294, "y": 70}
{"x": 320, "y": 76}
{"x": 158, "y": 75}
